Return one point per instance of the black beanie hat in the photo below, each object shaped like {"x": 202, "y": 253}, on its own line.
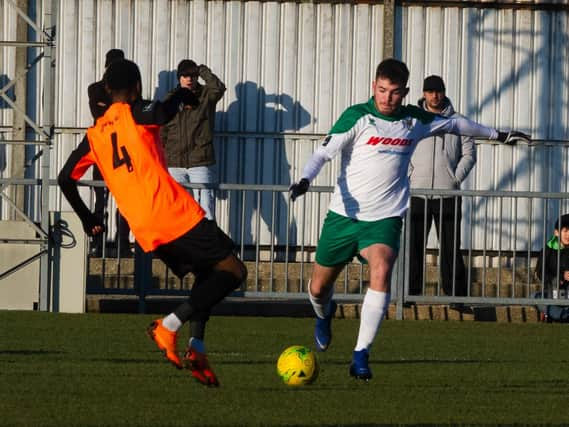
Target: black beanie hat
{"x": 433, "y": 83}
{"x": 122, "y": 74}
{"x": 186, "y": 67}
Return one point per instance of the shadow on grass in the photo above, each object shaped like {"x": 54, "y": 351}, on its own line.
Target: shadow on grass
{"x": 419, "y": 361}
{"x": 29, "y": 352}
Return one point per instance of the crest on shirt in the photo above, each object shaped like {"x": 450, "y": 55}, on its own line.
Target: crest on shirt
{"x": 371, "y": 121}
{"x": 326, "y": 140}
{"x": 148, "y": 107}
{"x": 408, "y": 123}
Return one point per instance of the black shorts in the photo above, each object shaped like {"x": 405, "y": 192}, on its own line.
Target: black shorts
{"x": 196, "y": 251}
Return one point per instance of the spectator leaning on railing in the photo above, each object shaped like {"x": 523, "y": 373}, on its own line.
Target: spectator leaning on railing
{"x": 553, "y": 269}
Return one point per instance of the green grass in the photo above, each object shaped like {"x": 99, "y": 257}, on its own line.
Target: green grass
{"x": 97, "y": 369}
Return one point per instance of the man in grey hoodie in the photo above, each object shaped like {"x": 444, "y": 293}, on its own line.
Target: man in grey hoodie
{"x": 442, "y": 162}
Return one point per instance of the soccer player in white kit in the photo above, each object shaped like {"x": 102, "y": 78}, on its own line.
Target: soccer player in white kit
{"x": 376, "y": 140}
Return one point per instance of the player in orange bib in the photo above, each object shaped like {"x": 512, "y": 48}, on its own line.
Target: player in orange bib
{"x": 125, "y": 144}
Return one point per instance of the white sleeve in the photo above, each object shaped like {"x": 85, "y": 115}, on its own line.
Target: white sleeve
{"x": 328, "y": 149}
{"x": 461, "y": 126}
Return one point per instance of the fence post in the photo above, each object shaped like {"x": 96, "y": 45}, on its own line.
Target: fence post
{"x": 142, "y": 275}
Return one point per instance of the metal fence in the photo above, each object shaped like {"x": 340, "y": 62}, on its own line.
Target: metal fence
{"x": 502, "y": 271}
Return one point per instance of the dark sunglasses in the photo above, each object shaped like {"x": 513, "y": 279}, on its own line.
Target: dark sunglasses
{"x": 192, "y": 75}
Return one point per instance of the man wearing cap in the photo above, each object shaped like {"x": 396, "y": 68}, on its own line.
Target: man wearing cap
{"x": 188, "y": 138}
{"x": 99, "y": 102}
{"x": 441, "y": 162}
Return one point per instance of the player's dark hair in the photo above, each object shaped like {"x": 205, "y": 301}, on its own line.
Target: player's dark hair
{"x": 122, "y": 75}
{"x": 393, "y": 70}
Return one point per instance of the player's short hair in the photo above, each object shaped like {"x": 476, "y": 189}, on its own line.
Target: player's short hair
{"x": 122, "y": 75}
{"x": 113, "y": 55}
{"x": 393, "y": 70}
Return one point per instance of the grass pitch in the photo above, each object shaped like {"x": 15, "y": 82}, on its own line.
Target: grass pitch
{"x": 102, "y": 370}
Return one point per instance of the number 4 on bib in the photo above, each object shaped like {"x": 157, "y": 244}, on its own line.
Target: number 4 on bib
{"x": 119, "y": 161}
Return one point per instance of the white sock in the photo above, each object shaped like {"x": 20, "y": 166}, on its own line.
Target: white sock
{"x": 321, "y": 305}
{"x": 172, "y": 323}
{"x": 197, "y": 344}
{"x": 374, "y": 308}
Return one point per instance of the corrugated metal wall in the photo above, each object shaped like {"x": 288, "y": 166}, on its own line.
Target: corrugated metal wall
{"x": 292, "y": 68}
{"x": 508, "y": 69}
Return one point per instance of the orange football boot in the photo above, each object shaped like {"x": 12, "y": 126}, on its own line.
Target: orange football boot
{"x": 198, "y": 364}
{"x": 166, "y": 341}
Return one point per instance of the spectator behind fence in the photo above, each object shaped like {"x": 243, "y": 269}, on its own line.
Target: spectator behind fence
{"x": 99, "y": 101}
{"x": 188, "y": 138}
{"x": 375, "y": 140}
{"x": 555, "y": 279}
{"x": 441, "y": 162}
{"x": 125, "y": 144}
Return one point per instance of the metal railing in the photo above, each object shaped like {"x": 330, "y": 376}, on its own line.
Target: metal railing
{"x": 502, "y": 236}
{"x": 500, "y": 270}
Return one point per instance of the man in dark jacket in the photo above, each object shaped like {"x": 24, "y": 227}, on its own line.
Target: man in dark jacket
{"x": 188, "y": 138}
{"x": 99, "y": 102}
{"x": 441, "y": 162}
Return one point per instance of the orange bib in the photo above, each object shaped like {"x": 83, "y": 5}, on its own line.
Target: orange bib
{"x": 131, "y": 160}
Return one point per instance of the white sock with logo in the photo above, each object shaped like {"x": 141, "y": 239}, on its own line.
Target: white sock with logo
{"x": 321, "y": 305}
{"x": 172, "y": 323}
{"x": 374, "y": 308}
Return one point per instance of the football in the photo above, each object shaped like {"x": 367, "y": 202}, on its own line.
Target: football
{"x": 297, "y": 365}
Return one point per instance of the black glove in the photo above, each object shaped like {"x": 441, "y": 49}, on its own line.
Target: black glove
{"x": 298, "y": 189}
{"x": 187, "y": 97}
{"x": 513, "y": 137}
{"x": 91, "y": 221}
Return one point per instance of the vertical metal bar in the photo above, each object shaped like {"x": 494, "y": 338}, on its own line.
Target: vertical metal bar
{"x": 499, "y": 279}
{"x": 485, "y": 243}
{"x": 257, "y": 238}
{"x": 471, "y": 234}
{"x": 142, "y": 275}
{"x": 514, "y": 255}
{"x": 440, "y": 252}
{"x": 455, "y": 244}
{"x": 361, "y": 278}
{"x": 424, "y": 250}
{"x": 48, "y": 99}
{"x": 388, "y": 28}
{"x": 243, "y": 200}
{"x": 272, "y": 248}
{"x": 302, "y": 236}
{"x": 530, "y": 220}
{"x": 403, "y": 285}
{"x": 287, "y": 242}
{"x": 558, "y": 282}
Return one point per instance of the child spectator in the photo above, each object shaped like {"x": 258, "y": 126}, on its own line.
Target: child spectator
{"x": 555, "y": 279}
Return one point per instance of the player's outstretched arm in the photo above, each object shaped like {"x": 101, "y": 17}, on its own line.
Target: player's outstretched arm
{"x": 513, "y": 137}
{"x": 464, "y": 126}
